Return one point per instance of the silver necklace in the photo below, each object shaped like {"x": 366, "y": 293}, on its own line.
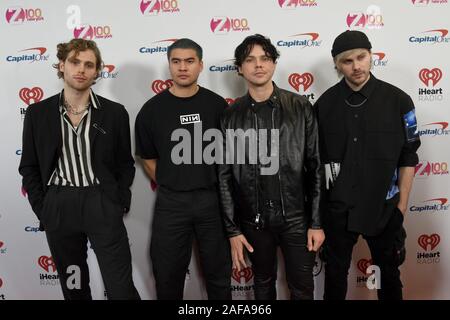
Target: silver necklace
{"x": 355, "y": 105}
{"x": 70, "y": 109}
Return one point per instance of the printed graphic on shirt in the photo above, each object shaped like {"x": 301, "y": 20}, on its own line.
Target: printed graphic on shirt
{"x": 331, "y": 173}
{"x": 410, "y": 123}
{"x": 190, "y": 118}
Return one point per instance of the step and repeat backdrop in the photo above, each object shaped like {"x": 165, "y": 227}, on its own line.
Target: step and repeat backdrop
{"x": 411, "y": 49}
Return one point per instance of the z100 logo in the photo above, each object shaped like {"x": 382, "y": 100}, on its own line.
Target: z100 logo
{"x": 431, "y": 168}
{"x": 371, "y": 19}
{"x": 223, "y": 25}
{"x": 422, "y": 3}
{"x": 428, "y": 243}
{"x": 161, "y": 85}
{"x": 89, "y": 32}
{"x": 31, "y": 55}
{"x": 297, "y": 80}
{"x": 292, "y": 4}
{"x": 108, "y": 72}
{"x": 17, "y": 15}
{"x": 154, "y": 7}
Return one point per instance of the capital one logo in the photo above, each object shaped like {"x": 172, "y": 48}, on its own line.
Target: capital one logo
{"x": 31, "y": 55}
{"x": 438, "y": 129}
{"x": 296, "y": 80}
{"x": 161, "y": 85}
{"x": 431, "y": 168}
{"x": 223, "y": 25}
{"x": 108, "y": 72}
{"x": 89, "y": 32}
{"x": 17, "y": 15}
{"x": 28, "y": 95}
{"x": 246, "y": 274}
{"x": 153, "y": 7}
{"x": 292, "y": 4}
{"x": 379, "y": 59}
{"x": 429, "y": 241}
{"x": 371, "y": 19}
{"x": 434, "y": 76}
{"x": 47, "y": 263}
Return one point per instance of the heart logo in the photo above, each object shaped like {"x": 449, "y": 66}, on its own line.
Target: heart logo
{"x": 246, "y": 273}
{"x": 46, "y": 263}
{"x": 161, "y": 85}
{"x": 363, "y": 264}
{"x": 297, "y": 79}
{"x": 434, "y": 75}
{"x": 429, "y": 240}
{"x": 27, "y": 94}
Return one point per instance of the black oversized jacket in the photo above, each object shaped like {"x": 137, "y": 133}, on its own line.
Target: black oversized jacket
{"x": 109, "y": 135}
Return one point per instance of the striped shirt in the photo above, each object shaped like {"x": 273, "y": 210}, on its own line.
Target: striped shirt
{"x": 74, "y": 167}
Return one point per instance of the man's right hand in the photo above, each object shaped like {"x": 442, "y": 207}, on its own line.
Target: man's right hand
{"x": 237, "y": 251}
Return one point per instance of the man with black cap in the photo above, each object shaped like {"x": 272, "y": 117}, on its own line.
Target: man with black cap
{"x": 368, "y": 144}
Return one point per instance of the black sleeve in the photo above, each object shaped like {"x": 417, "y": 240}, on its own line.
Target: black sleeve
{"x": 408, "y": 155}
{"x": 29, "y": 166}
{"x": 145, "y": 147}
{"x": 125, "y": 161}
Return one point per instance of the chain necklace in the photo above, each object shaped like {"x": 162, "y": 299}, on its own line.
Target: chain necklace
{"x": 70, "y": 109}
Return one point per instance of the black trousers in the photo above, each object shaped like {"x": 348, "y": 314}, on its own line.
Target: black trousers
{"x": 299, "y": 262}
{"x": 72, "y": 216}
{"x": 178, "y": 218}
{"x": 387, "y": 250}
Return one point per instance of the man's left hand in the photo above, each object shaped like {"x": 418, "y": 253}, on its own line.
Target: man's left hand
{"x": 315, "y": 239}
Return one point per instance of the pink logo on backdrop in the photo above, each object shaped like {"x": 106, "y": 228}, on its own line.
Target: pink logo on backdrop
{"x": 246, "y": 274}
{"x": 360, "y": 20}
{"x": 296, "y": 80}
{"x": 89, "y": 32}
{"x": 434, "y": 75}
{"x": 431, "y": 241}
{"x": 47, "y": 263}
{"x": 18, "y": 15}
{"x": 224, "y": 25}
{"x": 28, "y": 95}
{"x": 292, "y": 4}
{"x": 161, "y": 85}
{"x": 154, "y": 7}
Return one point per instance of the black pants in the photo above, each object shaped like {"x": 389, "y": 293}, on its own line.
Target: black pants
{"x": 387, "y": 251}
{"x": 72, "y": 216}
{"x": 178, "y": 217}
{"x": 299, "y": 262}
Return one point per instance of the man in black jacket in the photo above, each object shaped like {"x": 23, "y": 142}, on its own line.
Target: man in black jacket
{"x": 368, "y": 143}
{"x": 272, "y": 198}
{"x": 77, "y": 170}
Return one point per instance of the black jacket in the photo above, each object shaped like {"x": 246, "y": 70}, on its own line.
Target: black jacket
{"x": 109, "y": 136}
{"x": 299, "y": 166}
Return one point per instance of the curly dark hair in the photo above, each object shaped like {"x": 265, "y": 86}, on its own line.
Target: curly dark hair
{"x": 243, "y": 50}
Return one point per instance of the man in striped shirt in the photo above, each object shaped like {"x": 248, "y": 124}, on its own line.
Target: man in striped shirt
{"x": 77, "y": 169}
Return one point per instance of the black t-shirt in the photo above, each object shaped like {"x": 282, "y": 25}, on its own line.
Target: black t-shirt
{"x": 268, "y": 185}
{"x": 155, "y": 124}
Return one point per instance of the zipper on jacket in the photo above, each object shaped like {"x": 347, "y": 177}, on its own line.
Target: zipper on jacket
{"x": 279, "y": 167}
{"x": 256, "y": 170}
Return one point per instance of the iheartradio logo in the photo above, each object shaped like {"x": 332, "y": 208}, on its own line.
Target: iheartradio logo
{"x": 431, "y": 241}
{"x": 47, "y": 263}
{"x": 161, "y": 85}
{"x": 34, "y": 94}
{"x": 363, "y": 264}
{"x": 296, "y": 80}
{"x": 434, "y": 75}
{"x": 246, "y": 274}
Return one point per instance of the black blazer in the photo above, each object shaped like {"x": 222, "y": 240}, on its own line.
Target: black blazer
{"x": 109, "y": 136}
